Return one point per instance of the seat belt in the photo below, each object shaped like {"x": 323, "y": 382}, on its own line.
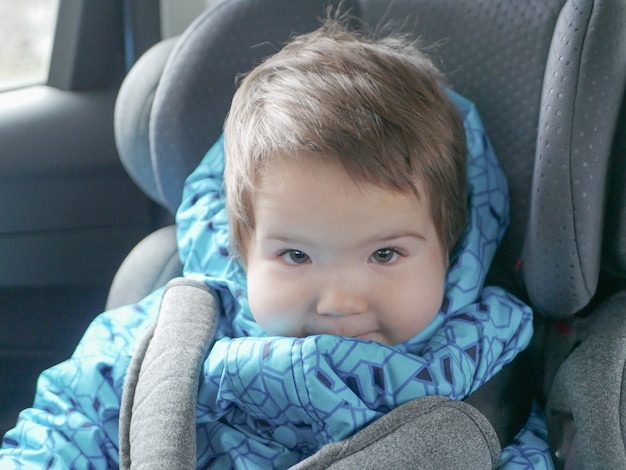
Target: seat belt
{"x": 157, "y": 427}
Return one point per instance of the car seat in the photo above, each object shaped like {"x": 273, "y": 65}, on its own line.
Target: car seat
{"x": 547, "y": 77}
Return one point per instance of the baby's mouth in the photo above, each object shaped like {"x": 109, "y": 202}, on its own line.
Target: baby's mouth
{"x": 358, "y": 328}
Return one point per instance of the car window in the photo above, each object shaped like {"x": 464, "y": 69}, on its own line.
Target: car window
{"x": 26, "y": 37}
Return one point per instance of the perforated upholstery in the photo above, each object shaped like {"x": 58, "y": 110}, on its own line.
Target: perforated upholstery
{"x": 583, "y": 89}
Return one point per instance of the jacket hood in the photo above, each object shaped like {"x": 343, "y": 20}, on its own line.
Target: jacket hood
{"x": 204, "y": 241}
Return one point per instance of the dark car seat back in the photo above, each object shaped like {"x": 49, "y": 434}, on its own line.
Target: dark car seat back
{"x": 613, "y": 264}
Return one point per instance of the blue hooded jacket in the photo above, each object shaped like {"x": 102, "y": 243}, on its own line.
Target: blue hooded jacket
{"x": 271, "y": 401}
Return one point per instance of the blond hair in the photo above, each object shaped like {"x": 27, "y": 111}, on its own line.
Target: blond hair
{"x": 377, "y": 107}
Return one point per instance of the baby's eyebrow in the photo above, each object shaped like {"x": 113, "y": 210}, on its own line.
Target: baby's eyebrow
{"x": 382, "y": 238}
{"x": 401, "y": 234}
{"x": 279, "y": 238}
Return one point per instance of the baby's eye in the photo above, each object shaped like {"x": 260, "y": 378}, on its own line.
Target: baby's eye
{"x": 294, "y": 257}
{"x": 384, "y": 256}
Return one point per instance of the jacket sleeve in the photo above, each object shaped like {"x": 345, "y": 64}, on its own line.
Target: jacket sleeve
{"x": 74, "y": 419}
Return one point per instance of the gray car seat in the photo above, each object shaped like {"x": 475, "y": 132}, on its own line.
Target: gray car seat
{"x": 548, "y": 78}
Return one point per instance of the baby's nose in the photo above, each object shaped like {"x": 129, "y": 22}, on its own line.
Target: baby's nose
{"x": 338, "y": 300}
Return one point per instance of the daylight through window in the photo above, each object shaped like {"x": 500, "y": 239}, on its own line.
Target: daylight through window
{"x": 26, "y": 36}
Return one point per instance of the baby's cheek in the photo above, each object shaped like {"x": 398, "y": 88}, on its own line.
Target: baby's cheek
{"x": 280, "y": 325}
{"x": 278, "y": 309}
{"x": 261, "y": 302}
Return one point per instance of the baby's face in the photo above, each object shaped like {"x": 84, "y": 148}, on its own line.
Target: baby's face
{"x": 330, "y": 256}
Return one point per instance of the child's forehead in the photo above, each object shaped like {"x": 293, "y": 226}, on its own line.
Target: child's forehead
{"x": 313, "y": 168}
{"x": 287, "y": 163}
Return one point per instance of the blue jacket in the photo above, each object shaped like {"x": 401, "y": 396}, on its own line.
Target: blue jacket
{"x": 271, "y": 401}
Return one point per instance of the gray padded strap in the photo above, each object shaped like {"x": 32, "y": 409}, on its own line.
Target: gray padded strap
{"x": 158, "y": 410}
{"x": 432, "y": 432}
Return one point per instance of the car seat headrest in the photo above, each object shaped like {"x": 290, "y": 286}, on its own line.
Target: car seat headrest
{"x": 132, "y": 116}
{"x": 199, "y": 80}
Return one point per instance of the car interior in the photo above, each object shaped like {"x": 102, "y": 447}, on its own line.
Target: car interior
{"x": 71, "y": 211}
{"x": 94, "y": 161}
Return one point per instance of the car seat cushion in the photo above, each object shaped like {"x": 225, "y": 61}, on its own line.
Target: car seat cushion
{"x": 133, "y": 110}
{"x": 586, "y": 408}
{"x": 149, "y": 266}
